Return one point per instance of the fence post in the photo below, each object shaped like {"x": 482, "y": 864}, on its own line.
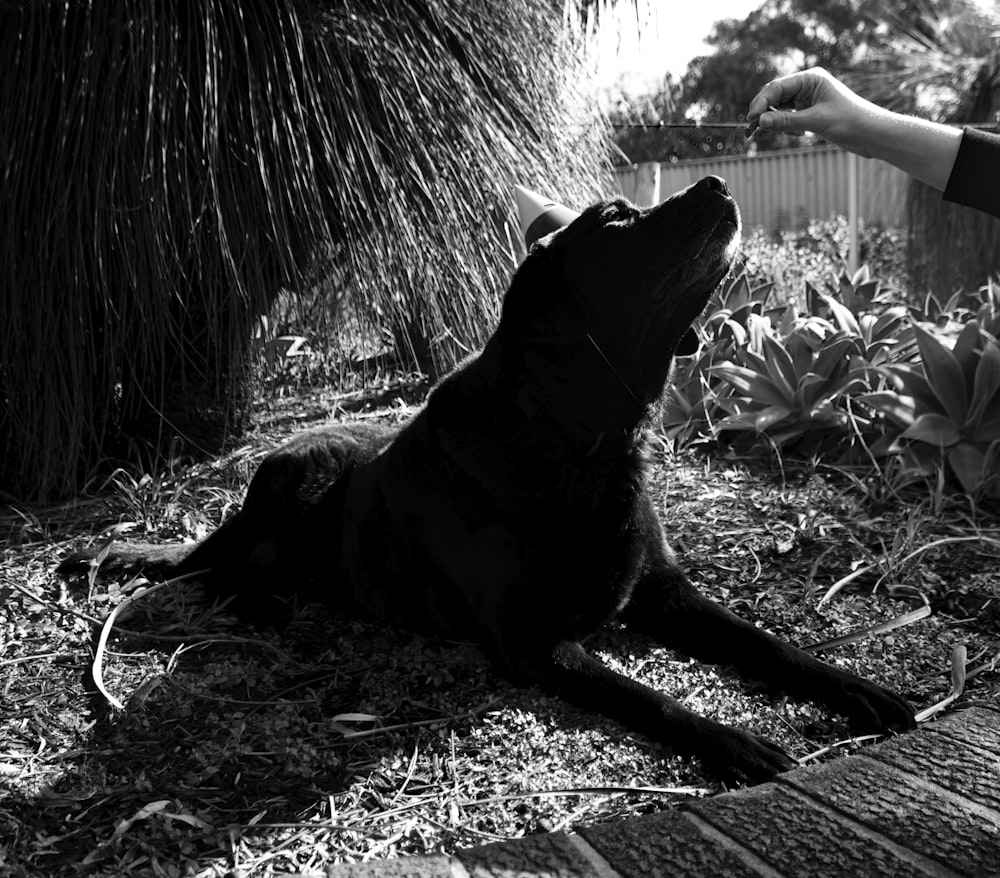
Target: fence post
{"x": 647, "y": 184}
{"x": 853, "y": 252}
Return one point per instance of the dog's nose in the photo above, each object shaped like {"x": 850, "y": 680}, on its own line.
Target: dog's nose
{"x": 712, "y": 182}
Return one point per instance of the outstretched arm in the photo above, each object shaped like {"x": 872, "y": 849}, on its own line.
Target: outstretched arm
{"x": 813, "y": 100}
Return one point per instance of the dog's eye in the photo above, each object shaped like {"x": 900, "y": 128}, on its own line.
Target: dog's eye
{"x": 617, "y": 212}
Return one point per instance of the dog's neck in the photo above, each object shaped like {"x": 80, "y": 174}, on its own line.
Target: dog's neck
{"x": 596, "y": 459}
{"x": 588, "y": 413}
{"x": 582, "y": 409}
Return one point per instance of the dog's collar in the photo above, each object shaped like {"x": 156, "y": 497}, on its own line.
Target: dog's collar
{"x": 614, "y": 371}
{"x": 588, "y": 337}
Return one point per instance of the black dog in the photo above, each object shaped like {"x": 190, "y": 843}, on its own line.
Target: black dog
{"x": 513, "y": 507}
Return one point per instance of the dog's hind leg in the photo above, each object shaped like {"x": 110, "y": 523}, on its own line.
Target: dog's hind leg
{"x": 211, "y": 554}
{"x": 279, "y": 544}
{"x": 127, "y": 558}
{"x": 568, "y": 671}
{"x": 665, "y": 605}
{"x": 245, "y": 562}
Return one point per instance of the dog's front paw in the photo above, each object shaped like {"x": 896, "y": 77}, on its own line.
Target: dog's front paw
{"x": 735, "y": 755}
{"x": 870, "y": 707}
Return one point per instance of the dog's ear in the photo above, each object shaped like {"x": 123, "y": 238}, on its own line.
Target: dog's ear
{"x": 688, "y": 344}
{"x": 539, "y": 305}
{"x": 543, "y": 242}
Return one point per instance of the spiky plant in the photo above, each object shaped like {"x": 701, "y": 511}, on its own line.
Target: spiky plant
{"x": 167, "y": 168}
{"x": 941, "y": 59}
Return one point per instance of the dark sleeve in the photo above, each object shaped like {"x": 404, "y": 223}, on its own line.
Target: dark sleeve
{"x": 975, "y": 177}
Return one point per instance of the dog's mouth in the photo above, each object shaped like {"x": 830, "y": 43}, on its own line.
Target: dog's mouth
{"x": 674, "y": 254}
{"x": 723, "y": 241}
{"x": 694, "y": 277}
{"x": 684, "y": 291}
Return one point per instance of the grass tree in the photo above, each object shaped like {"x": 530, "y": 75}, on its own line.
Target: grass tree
{"x": 168, "y": 169}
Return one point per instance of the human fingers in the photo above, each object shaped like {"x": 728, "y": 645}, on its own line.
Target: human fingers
{"x": 800, "y": 91}
{"x": 789, "y": 122}
{"x": 795, "y": 88}
{"x": 780, "y": 121}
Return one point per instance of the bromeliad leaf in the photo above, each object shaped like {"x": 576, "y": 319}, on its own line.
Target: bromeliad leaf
{"x": 912, "y": 382}
{"x": 736, "y": 421}
{"x": 779, "y": 367}
{"x": 944, "y": 375}
{"x": 842, "y": 316}
{"x": 828, "y": 376}
{"x": 752, "y": 384}
{"x": 967, "y": 462}
{"x": 985, "y": 386}
{"x": 770, "y": 416}
{"x": 898, "y": 408}
{"x": 966, "y": 351}
{"x": 825, "y": 408}
{"x": 991, "y": 470}
{"x": 832, "y": 358}
{"x": 880, "y": 333}
{"x": 809, "y": 390}
{"x": 934, "y": 429}
{"x": 759, "y": 329}
{"x": 988, "y": 429}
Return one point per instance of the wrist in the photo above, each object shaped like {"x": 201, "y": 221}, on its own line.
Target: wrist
{"x": 923, "y": 149}
{"x": 877, "y": 129}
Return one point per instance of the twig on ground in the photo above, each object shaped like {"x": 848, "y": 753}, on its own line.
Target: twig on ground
{"x": 958, "y": 677}
{"x": 872, "y": 630}
{"x": 816, "y": 754}
{"x": 591, "y": 791}
{"x": 861, "y": 571}
{"x": 53, "y": 605}
{"x": 97, "y": 666}
{"x": 384, "y": 730}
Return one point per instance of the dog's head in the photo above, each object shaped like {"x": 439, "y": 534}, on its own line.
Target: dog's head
{"x": 604, "y": 303}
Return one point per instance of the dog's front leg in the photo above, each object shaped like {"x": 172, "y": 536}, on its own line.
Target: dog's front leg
{"x": 668, "y": 607}
{"x": 570, "y": 672}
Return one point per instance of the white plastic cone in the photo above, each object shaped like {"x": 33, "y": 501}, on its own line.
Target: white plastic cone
{"x": 540, "y": 215}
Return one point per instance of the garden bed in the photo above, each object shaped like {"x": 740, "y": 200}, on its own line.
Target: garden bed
{"x": 338, "y": 740}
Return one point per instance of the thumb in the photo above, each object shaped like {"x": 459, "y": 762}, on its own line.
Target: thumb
{"x": 798, "y": 122}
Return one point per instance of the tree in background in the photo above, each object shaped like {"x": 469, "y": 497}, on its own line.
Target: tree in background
{"x": 942, "y": 63}
{"x": 168, "y": 168}
{"x": 643, "y": 128}
{"x": 636, "y": 121}
{"x": 780, "y": 36}
{"x": 936, "y": 58}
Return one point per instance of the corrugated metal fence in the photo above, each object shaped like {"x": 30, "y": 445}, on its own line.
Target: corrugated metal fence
{"x": 781, "y": 190}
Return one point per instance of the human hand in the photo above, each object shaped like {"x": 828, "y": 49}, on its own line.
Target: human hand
{"x": 813, "y": 100}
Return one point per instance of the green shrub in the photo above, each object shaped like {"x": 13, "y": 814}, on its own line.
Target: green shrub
{"x": 794, "y": 400}
{"x": 791, "y": 258}
{"x": 779, "y": 377}
{"x": 945, "y": 411}
{"x": 736, "y": 319}
{"x": 855, "y": 371}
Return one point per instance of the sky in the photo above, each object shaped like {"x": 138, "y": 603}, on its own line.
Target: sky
{"x": 672, "y": 33}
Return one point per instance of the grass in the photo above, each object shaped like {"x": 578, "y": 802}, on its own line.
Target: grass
{"x": 335, "y": 740}
{"x": 338, "y": 740}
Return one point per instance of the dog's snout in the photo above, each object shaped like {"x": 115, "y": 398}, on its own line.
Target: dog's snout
{"x": 712, "y": 182}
